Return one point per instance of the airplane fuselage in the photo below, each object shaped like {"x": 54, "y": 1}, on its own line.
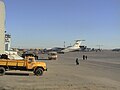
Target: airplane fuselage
{"x": 70, "y": 49}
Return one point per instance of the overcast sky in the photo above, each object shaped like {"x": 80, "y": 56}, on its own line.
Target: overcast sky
{"x": 48, "y": 23}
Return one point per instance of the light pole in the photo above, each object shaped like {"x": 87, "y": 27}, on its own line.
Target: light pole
{"x": 64, "y": 44}
{"x": 99, "y": 46}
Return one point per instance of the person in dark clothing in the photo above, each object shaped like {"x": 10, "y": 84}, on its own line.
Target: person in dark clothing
{"x": 83, "y": 57}
{"x": 77, "y": 62}
{"x": 86, "y": 57}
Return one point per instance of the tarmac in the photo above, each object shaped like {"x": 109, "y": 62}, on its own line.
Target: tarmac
{"x": 101, "y": 71}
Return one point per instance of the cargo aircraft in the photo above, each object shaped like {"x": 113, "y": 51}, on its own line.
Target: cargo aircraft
{"x": 75, "y": 47}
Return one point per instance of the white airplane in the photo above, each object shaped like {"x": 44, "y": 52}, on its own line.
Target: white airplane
{"x": 75, "y": 47}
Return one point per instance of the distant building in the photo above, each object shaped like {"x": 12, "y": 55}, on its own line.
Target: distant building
{"x": 7, "y": 42}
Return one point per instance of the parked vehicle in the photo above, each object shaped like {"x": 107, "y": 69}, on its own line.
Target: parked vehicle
{"x": 52, "y": 55}
{"x": 27, "y": 64}
{"x": 30, "y": 54}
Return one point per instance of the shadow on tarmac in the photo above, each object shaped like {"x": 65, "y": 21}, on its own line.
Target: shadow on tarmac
{"x": 19, "y": 74}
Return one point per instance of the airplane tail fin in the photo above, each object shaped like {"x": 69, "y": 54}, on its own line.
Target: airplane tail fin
{"x": 77, "y": 43}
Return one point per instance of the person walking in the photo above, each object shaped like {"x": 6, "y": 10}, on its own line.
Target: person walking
{"x": 86, "y": 57}
{"x": 77, "y": 62}
{"x": 83, "y": 57}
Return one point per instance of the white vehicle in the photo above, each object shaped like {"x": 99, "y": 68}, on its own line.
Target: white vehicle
{"x": 75, "y": 47}
{"x": 13, "y": 55}
{"x": 52, "y": 55}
